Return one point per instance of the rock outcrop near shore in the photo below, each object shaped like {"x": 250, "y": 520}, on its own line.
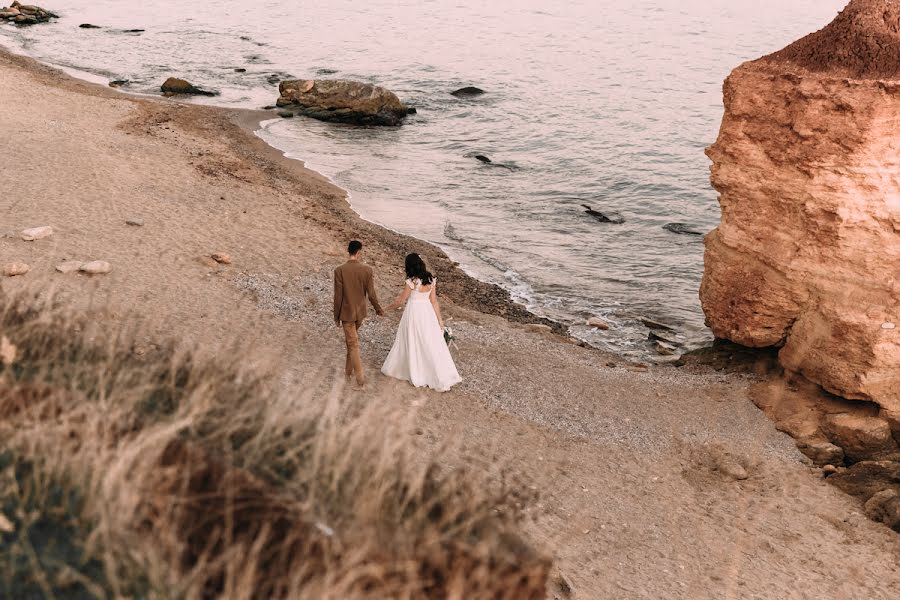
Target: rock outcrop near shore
{"x": 25, "y": 14}
{"x": 807, "y": 165}
{"x": 342, "y": 101}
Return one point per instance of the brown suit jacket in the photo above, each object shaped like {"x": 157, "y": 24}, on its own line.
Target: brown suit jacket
{"x": 353, "y": 281}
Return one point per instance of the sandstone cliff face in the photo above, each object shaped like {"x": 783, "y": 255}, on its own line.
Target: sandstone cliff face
{"x": 807, "y": 165}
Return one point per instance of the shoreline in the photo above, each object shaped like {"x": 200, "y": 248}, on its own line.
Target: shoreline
{"x": 463, "y": 290}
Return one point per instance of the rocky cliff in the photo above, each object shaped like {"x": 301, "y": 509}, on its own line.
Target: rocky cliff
{"x": 807, "y": 165}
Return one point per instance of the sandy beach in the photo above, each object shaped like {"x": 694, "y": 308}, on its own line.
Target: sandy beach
{"x": 652, "y": 482}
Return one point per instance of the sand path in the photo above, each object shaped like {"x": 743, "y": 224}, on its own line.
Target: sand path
{"x": 639, "y": 475}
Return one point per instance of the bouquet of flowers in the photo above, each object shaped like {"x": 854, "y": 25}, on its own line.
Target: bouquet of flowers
{"x": 448, "y": 334}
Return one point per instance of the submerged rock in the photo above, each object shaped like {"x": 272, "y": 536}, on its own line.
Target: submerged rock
{"x": 89, "y": 26}
{"x": 807, "y": 165}
{"x": 681, "y": 228}
{"x": 342, "y": 101}
{"x": 175, "y": 86}
{"x": 615, "y": 218}
{"x": 467, "y": 92}
{"x": 483, "y": 158}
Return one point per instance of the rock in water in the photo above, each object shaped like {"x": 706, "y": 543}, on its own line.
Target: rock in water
{"x": 680, "y": 228}
{"x": 603, "y": 218}
{"x": 467, "y": 92}
{"x": 598, "y": 323}
{"x": 807, "y": 165}
{"x": 95, "y": 267}
{"x": 37, "y": 233}
{"x": 25, "y": 14}
{"x": 175, "y": 86}
{"x": 483, "y": 158}
{"x": 342, "y": 101}
{"x": 88, "y": 26}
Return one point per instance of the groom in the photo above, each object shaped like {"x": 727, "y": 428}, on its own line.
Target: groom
{"x": 353, "y": 282}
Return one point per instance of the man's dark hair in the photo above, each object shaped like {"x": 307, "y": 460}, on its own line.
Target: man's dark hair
{"x": 354, "y": 247}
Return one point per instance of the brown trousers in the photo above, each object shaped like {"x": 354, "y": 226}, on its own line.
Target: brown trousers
{"x": 354, "y": 362}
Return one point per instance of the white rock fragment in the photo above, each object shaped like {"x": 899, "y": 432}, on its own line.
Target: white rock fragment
{"x": 37, "y": 233}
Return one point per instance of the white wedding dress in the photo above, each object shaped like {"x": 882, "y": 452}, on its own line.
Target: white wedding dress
{"x": 420, "y": 354}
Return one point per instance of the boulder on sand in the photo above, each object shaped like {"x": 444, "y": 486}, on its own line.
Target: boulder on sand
{"x": 342, "y": 101}
{"x": 174, "y": 86}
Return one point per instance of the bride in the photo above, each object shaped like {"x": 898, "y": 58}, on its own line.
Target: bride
{"x": 420, "y": 354}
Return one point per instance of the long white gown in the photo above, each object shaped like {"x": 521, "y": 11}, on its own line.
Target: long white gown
{"x": 420, "y": 354}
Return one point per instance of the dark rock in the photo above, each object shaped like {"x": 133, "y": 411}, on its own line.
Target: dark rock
{"x": 240, "y": 70}
{"x": 25, "y": 14}
{"x": 245, "y": 38}
{"x": 866, "y": 478}
{"x": 133, "y": 30}
{"x": 727, "y": 356}
{"x": 483, "y": 158}
{"x": 285, "y": 114}
{"x": 652, "y": 324}
{"x": 269, "y": 107}
{"x": 467, "y": 92}
{"x": 342, "y": 101}
{"x": 681, "y": 228}
{"x": 411, "y": 110}
{"x": 326, "y": 71}
{"x": 615, "y": 218}
{"x": 118, "y": 83}
{"x": 89, "y": 26}
{"x": 173, "y": 85}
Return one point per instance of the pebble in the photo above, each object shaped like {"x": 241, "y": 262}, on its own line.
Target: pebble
{"x": 96, "y": 267}
{"x": 15, "y": 269}
{"x": 69, "y": 266}
{"x": 888, "y": 325}
{"x": 135, "y": 222}
{"x": 37, "y": 233}
{"x": 221, "y": 258}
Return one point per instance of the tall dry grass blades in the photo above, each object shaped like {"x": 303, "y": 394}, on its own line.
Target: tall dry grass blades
{"x": 196, "y": 478}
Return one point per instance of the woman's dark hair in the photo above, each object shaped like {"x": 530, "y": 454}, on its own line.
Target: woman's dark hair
{"x": 415, "y": 269}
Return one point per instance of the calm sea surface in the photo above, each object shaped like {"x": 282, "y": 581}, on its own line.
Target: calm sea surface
{"x": 606, "y": 102}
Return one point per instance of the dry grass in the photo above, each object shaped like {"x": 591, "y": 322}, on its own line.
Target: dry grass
{"x": 164, "y": 474}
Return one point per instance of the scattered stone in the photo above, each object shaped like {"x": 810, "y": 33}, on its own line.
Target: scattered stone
{"x": 342, "y": 101}
{"x": 411, "y": 110}
{"x": 821, "y": 452}
{"x": 483, "y": 158}
{"x": 89, "y": 26}
{"x": 829, "y": 469}
{"x": 15, "y": 269}
{"x": 598, "y": 323}
{"x": 118, "y": 83}
{"x": 269, "y": 107}
{"x": 652, "y": 324}
{"x": 285, "y": 114}
{"x": 37, "y": 233}
{"x": 888, "y": 325}
{"x": 860, "y": 436}
{"x": 565, "y": 584}
{"x": 206, "y": 261}
{"x": 240, "y": 70}
{"x": 135, "y": 222}
{"x": 467, "y": 92}
{"x": 69, "y": 266}
{"x": 174, "y": 86}
{"x": 681, "y": 228}
{"x": 221, "y": 258}
{"x": 133, "y": 31}
{"x": 96, "y": 267}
